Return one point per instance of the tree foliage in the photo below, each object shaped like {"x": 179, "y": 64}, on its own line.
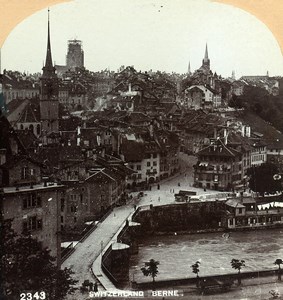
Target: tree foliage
{"x": 150, "y": 268}
{"x": 238, "y": 265}
{"x": 262, "y": 178}
{"x": 26, "y": 266}
{"x": 279, "y": 262}
{"x": 259, "y": 101}
{"x": 195, "y": 268}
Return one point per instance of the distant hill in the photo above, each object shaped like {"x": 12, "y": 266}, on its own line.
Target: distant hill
{"x": 258, "y": 101}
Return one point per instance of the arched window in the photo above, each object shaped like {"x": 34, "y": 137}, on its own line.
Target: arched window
{"x": 31, "y": 127}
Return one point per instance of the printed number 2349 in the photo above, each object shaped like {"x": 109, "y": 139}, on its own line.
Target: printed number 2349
{"x": 31, "y": 296}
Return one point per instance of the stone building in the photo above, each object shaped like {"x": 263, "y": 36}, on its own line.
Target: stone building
{"x": 219, "y": 167}
{"x": 75, "y": 55}
{"x": 31, "y": 203}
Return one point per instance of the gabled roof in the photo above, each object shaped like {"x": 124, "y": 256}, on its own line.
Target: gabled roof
{"x": 30, "y": 114}
{"x": 16, "y": 159}
{"x": 27, "y": 138}
{"x": 132, "y": 150}
{"x": 14, "y": 104}
{"x": 234, "y": 203}
{"x": 218, "y": 149}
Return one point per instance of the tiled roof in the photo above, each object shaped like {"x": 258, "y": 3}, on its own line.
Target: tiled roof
{"x": 132, "y": 150}
{"x": 218, "y": 149}
{"x": 14, "y": 104}
{"x": 234, "y": 203}
{"x": 27, "y": 138}
{"x": 31, "y": 114}
{"x": 271, "y": 136}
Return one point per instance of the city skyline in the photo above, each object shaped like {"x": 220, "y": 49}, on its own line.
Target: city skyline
{"x": 163, "y": 36}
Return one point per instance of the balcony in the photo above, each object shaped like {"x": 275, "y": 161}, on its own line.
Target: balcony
{"x": 151, "y": 172}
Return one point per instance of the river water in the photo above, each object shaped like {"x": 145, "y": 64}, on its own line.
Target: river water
{"x": 215, "y": 251}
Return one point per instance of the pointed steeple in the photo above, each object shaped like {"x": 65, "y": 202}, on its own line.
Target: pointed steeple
{"x": 189, "y": 69}
{"x": 206, "y": 53}
{"x": 48, "y": 69}
{"x": 206, "y": 60}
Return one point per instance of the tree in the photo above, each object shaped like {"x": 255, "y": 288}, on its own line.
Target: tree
{"x": 262, "y": 178}
{"x": 279, "y": 262}
{"x": 150, "y": 269}
{"x": 26, "y": 266}
{"x": 238, "y": 264}
{"x": 195, "y": 268}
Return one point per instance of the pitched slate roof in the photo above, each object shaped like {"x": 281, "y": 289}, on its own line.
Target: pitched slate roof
{"x": 30, "y": 114}
{"x": 218, "y": 149}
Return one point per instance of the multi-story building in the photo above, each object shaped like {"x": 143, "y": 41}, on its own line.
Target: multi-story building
{"x": 244, "y": 213}
{"x": 153, "y": 155}
{"x": 19, "y": 86}
{"x": 200, "y": 96}
{"x": 31, "y": 203}
{"x": 219, "y": 167}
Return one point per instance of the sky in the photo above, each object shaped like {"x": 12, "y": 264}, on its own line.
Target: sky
{"x": 160, "y": 35}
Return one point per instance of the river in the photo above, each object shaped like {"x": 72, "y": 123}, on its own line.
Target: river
{"x": 215, "y": 251}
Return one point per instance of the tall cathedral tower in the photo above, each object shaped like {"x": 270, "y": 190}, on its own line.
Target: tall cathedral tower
{"x": 206, "y": 60}
{"x": 49, "y": 103}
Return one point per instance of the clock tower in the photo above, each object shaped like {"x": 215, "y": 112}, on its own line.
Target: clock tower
{"x": 49, "y": 102}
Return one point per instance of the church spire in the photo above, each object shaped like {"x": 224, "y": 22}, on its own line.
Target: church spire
{"x": 206, "y": 60}
{"x": 206, "y": 53}
{"x": 48, "y": 69}
{"x": 189, "y": 69}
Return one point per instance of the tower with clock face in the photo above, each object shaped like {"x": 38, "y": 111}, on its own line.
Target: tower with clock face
{"x": 49, "y": 102}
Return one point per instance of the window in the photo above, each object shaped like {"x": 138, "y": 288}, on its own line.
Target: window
{"x": 148, "y": 164}
{"x": 62, "y": 204}
{"x": 62, "y": 219}
{"x": 240, "y": 210}
{"x": 139, "y": 176}
{"x": 138, "y": 167}
{"x": 24, "y": 174}
{"x": 154, "y": 155}
{"x": 32, "y": 223}
{"x": 31, "y": 200}
{"x": 73, "y": 208}
{"x": 155, "y": 163}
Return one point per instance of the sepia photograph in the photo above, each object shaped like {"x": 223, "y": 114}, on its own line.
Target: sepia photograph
{"x": 141, "y": 149}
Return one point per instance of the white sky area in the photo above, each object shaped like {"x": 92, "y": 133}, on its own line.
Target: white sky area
{"x": 159, "y": 35}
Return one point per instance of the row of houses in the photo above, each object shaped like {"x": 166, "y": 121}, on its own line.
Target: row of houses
{"x": 224, "y": 160}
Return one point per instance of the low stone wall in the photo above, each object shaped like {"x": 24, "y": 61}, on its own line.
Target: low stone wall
{"x": 115, "y": 259}
{"x": 208, "y": 215}
{"x": 193, "y": 280}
